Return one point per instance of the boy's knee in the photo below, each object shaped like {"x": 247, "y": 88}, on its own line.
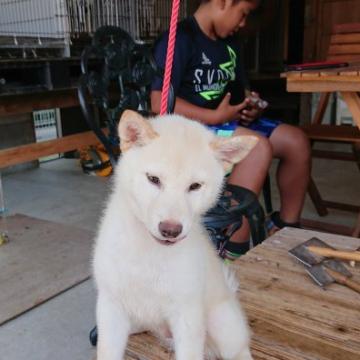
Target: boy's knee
{"x": 302, "y": 137}
{"x": 302, "y": 144}
{"x": 263, "y": 151}
{"x": 297, "y": 143}
{"x": 264, "y": 147}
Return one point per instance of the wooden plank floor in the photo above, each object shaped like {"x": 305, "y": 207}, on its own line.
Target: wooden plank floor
{"x": 291, "y": 317}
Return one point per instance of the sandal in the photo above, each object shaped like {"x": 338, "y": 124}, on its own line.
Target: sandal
{"x": 275, "y": 223}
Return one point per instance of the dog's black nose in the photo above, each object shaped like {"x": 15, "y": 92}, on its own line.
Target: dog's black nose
{"x": 170, "y": 229}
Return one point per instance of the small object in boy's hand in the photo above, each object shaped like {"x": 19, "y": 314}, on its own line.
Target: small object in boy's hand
{"x": 257, "y": 102}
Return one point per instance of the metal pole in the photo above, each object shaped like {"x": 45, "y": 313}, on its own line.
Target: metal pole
{"x": 4, "y": 235}
{"x": 132, "y": 15}
{"x": 99, "y": 15}
{"x": 117, "y": 13}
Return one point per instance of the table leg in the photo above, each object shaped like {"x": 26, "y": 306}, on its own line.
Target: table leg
{"x": 2, "y": 201}
{"x": 4, "y": 237}
{"x": 321, "y": 108}
{"x": 316, "y": 198}
{"x": 352, "y": 100}
{"x": 356, "y": 232}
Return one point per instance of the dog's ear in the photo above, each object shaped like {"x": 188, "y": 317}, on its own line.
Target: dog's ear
{"x": 231, "y": 150}
{"x": 134, "y": 130}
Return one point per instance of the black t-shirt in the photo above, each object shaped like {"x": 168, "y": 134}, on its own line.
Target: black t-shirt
{"x": 204, "y": 70}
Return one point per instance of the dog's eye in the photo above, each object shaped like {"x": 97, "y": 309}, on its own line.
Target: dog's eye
{"x": 153, "y": 179}
{"x": 194, "y": 186}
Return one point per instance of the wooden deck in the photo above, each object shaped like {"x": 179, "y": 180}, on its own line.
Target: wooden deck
{"x": 291, "y": 317}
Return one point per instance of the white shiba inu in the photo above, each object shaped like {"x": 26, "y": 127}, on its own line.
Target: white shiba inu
{"x": 154, "y": 265}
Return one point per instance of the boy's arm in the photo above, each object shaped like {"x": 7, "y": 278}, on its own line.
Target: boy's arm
{"x": 183, "y": 107}
{"x": 222, "y": 114}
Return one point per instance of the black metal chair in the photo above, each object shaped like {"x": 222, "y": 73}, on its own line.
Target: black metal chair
{"x": 116, "y": 75}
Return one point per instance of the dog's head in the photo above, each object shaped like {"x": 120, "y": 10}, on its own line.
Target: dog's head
{"x": 172, "y": 170}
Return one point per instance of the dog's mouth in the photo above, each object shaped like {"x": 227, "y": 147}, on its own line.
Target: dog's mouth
{"x": 168, "y": 242}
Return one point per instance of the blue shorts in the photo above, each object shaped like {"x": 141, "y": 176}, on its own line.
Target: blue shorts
{"x": 263, "y": 126}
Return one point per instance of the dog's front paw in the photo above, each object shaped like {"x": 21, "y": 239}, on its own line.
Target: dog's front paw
{"x": 244, "y": 355}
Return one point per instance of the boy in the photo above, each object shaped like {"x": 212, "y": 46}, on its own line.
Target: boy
{"x": 209, "y": 84}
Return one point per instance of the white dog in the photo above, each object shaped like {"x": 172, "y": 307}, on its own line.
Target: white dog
{"x": 154, "y": 265}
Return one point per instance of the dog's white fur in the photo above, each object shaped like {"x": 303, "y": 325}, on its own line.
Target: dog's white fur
{"x": 167, "y": 284}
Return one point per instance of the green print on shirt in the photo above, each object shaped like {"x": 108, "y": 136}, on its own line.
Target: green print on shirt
{"x": 229, "y": 69}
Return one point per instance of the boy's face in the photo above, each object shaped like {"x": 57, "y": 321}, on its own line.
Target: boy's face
{"x": 230, "y": 17}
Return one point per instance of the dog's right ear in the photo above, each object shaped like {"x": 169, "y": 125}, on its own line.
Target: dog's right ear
{"x": 231, "y": 150}
{"x": 134, "y": 130}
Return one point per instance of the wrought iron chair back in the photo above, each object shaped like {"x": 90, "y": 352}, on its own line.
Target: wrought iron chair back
{"x": 116, "y": 75}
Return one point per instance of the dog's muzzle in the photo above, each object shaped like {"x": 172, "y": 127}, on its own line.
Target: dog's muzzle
{"x": 168, "y": 242}
{"x": 170, "y": 231}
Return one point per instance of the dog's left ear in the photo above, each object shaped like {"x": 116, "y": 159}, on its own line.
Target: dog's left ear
{"x": 231, "y": 150}
{"x": 134, "y": 130}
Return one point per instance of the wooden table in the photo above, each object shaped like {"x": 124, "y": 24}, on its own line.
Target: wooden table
{"x": 291, "y": 317}
{"x": 345, "y": 80}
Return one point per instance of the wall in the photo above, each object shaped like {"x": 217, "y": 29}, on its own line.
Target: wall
{"x": 320, "y": 16}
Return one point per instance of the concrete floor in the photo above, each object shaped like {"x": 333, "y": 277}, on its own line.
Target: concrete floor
{"x": 60, "y": 192}
{"x": 58, "y": 329}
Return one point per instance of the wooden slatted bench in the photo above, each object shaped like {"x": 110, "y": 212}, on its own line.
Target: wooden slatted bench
{"x": 347, "y": 82}
{"x": 344, "y": 46}
{"x": 336, "y": 134}
{"x": 24, "y": 103}
{"x": 34, "y": 151}
{"x": 345, "y": 42}
{"x": 332, "y": 133}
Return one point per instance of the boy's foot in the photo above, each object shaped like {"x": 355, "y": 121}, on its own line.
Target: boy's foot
{"x": 233, "y": 250}
{"x": 274, "y": 223}
{"x": 272, "y": 230}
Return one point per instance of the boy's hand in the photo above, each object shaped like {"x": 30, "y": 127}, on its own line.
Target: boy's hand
{"x": 226, "y": 112}
{"x": 252, "y": 111}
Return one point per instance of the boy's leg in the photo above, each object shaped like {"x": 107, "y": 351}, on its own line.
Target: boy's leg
{"x": 291, "y": 146}
{"x": 250, "y": 173}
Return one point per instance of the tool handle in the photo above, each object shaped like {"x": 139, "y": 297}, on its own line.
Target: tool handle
{"x": 343, "y": 255}
{"x": 344, "y": 280}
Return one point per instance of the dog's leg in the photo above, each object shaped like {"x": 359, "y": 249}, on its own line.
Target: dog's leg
{"x": 113, "y": 330}
{"x": 188, "y": 329}
{"x": 228, "y": 330}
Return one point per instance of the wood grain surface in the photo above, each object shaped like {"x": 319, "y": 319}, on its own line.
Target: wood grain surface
{"x": 291, "y": 317}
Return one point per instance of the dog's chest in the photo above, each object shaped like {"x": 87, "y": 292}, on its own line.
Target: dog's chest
{"x": 153, "y": 286}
